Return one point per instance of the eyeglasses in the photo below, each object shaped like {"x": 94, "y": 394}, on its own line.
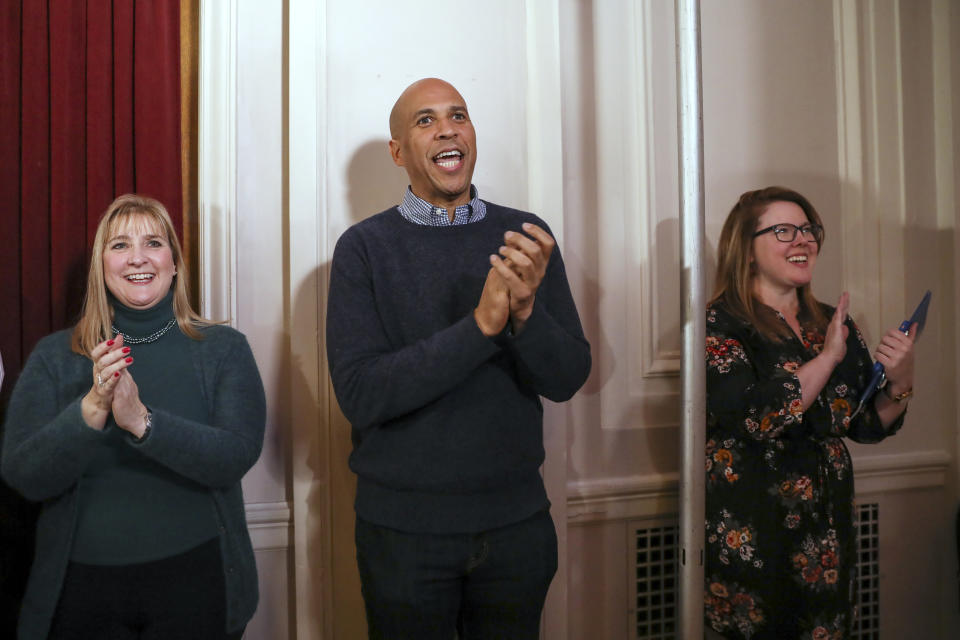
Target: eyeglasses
{"x": 787, "y": 232}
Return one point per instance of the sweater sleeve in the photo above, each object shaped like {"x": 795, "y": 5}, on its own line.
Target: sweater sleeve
{"x": 373, "y": 380}
{"x": 553, "y": 356}
{"x": 218, "y": 453}
{"x": 46, "y": 444}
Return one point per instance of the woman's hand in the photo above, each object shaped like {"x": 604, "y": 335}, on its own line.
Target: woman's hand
{"x": 128, "y": 412}
{"x": 110, "y": 360}
{"x": 835, "y": 342}
{"x": 814, "y": 374}
{"x": 895, "y": 353}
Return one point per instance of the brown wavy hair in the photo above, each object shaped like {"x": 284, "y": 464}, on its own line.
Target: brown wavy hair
{"x": 97, "y": 315}
{"x": 735, "y": 271}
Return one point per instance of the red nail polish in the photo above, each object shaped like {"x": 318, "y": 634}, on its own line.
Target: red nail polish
{"x": 109, "y": 343}
{"x": 129, "y": 360}
{"x": 116, "y": 375}
{"x": 126, "y": 349}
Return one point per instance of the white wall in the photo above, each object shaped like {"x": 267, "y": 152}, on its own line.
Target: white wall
{"x": 243, "y": 244}
{"x": 349, "y": 62}
{"x": 574, "y": 102}
{"x": 294, "y": 106}
{"x": 842, "y": 101}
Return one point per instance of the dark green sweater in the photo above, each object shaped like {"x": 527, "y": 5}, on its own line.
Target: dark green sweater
{"x": 132, "y": 508}
{"x": 47, "y": 447}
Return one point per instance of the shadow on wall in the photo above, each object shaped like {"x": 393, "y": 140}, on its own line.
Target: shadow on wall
{"x": 305, "y": 434}
{"x": 373, "y": 183}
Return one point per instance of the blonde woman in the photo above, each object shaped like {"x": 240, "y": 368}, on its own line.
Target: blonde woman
{"x": 134, "y": 429}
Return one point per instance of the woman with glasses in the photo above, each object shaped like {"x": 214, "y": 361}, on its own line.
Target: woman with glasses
{"x": 784, "y": 376}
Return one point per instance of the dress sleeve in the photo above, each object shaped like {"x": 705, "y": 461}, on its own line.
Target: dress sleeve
{"x": 739, "y": 397}
{"x": 841, "y": 394}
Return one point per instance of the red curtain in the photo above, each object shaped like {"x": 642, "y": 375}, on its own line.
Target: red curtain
{"x": 90, "y": 109}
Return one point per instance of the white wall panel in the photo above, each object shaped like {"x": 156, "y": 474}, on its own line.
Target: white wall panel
{"x": 870, "y": 128}
{"x": 243, "y": 252}
{"x": 852, "y": 102}
{"x": 217, "y": 157}
{"x": 311, "y": 604}
{"x": 272, "y": 620}
{"x": 636, "y": 216}
{"x": 260, "y": 256}
{"x": 837, "y": 100}
{"x": 375, "y": 49}
{"x": 358, "y": 61}
{"x": 620, "y": 161}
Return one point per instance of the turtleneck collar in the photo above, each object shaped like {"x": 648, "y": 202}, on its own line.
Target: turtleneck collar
{"x": 141, "y": 322}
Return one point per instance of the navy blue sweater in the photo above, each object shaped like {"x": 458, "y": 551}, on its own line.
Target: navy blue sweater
{"x": 447, "y": 423}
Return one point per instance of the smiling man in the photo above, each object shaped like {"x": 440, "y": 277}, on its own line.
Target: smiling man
{"x": 434, "y": 140}
{"x": 448, "y": 318}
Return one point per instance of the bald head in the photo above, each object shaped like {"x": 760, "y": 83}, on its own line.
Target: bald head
{"x": 410, "y": 99}
{"x": 433, "y": 139}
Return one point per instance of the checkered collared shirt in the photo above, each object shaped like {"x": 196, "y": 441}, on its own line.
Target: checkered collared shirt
{"x": 419, "y": 211}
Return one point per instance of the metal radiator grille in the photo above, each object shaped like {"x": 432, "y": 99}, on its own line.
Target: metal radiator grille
{"x": 867, "y": 625}
{"x": 655, "y": 552}
{"x": 656, "y": 577}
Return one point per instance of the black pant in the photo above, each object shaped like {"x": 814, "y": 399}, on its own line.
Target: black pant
{"x": 483, "y": 586}
{"x": 179, "y": 597}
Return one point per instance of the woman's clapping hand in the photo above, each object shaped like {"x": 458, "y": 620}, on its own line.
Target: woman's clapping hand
{"x": 835, "y": 342}
{"x": 110, "y": 361}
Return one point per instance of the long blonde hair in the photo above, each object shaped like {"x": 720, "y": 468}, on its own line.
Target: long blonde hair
{"x": 734, "y": 282}
{"x": 97, "y": 315}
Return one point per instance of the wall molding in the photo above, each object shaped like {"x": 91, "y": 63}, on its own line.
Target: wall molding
{"x": 656, "y": 495}
{"x": 544, "y": 155}
{"x": 948, "y": 215}
{"x": 644, "y": 381}
{"x": 270, "y": 525}
{"x": 655, "y": 360}
{"x": 217, "y": 160}
{"x": 306, "y": 130}
{"x": 849, "y": 143}
{"x": 901, "y": 471}
{"x": 943, "y": 116}
{"x": 871, "y": 162}
{"x": 623, "y": 498}
{"x": 543, "y": 118}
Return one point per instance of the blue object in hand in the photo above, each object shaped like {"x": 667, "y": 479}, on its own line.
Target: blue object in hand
{"x": 920, "y": 317}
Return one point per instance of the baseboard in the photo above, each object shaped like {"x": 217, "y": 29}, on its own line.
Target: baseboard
{"x": 270, "y": 525}
{"x": 653, "y": 495}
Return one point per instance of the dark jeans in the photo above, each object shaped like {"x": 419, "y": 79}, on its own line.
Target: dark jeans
{"x": 481, "y": 586}
{"x": 179, "y": 597}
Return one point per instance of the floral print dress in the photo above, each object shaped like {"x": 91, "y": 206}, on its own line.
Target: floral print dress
{"x": 780, "y": 540}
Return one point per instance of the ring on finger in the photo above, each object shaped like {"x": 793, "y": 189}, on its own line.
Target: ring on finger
{"x": 100, "y": 381}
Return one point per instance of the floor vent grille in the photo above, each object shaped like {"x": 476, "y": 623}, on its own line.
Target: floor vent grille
{"x": 656, "y": 580}
{"x": 867, "y": 625}
{"x": 657, "y": 566}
